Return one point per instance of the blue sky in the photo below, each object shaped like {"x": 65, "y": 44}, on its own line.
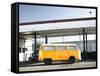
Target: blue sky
{"x": 29, "y": 13}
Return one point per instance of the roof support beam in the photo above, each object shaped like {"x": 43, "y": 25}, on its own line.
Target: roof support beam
{"x": 57, "y": 21}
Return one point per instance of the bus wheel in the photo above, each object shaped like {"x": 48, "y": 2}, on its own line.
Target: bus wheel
{"x": 47, "y": 61}
{"x": 71, "y": 60}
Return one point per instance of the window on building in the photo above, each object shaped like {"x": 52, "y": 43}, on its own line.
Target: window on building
{"x": 19, "y": 50}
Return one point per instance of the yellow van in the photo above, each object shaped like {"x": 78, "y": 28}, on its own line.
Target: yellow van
{"x": 53, "y": 52}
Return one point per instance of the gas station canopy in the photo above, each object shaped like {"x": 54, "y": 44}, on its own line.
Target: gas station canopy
{"x": 53, "y": 28}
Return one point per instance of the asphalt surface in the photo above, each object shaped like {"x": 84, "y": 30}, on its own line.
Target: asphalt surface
{"x": 55, "y": 66}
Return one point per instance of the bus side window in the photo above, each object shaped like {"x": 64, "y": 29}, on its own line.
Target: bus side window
{"x": 49, "y": 48}
{"x": 71, "y": 48}
{"x": 61, "y": 48}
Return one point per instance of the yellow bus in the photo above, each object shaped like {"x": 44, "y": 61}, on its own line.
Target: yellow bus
{"x": 54, "y": 52}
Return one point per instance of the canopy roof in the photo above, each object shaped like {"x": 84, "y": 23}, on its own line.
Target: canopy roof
{"x": 55, "y": 28}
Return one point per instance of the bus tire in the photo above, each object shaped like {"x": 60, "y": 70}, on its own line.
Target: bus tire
{"x": 71, "y": 60}
{"x": 47, "y": 61}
